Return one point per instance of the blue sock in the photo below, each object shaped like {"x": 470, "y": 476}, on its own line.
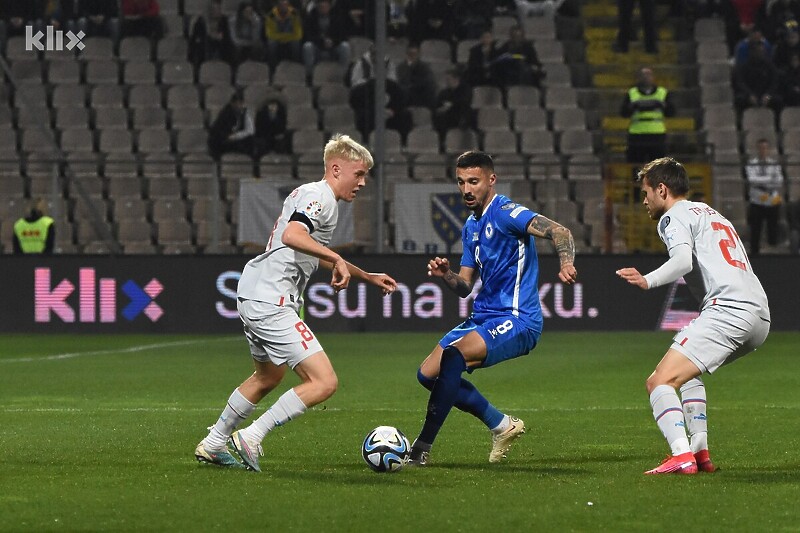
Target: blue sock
{"x": 443, "y": 394}
{"x": 469, "y": 400}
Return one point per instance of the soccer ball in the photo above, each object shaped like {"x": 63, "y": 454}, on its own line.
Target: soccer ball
{"x": 386, "y": 449}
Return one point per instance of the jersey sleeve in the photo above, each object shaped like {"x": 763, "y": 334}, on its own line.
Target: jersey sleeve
{"x": 674, "y": 230}
{"x": 313, "y": 206}
{"x": 468, "y": 245}
{"x": 513, "y": 218}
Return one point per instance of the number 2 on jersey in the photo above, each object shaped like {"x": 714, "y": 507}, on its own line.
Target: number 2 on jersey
{"x": 726, "y": 245}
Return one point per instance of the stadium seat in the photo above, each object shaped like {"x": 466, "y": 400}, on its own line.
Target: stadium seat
{"x": 392, "y": 142}
{"x": 172, "y": 49}
{"x": 510, "y": 166}
{"x": 144, "y": 96}
{"x": 135, "y": 49}
{"x": 430, "y": 167}
{"x": 328, "y": 95}
{"x": 457, "y": 141}
{"x": 148, "y": 118}
{"x": 433, "y": 50}
{"x": 154, "y": 141}
{"x": 557, "y": 76}
{"x": 186, "y": 117}
{"x": 723, "y": 140}
{"x": 69, "y": 96}
{"x": 124, "y": 186}
{"x": 102, "y": 71}
{"x": 302, "y": 118}
{"x": 216, "y": 97}
{"x": 183, "y": 96}
{"x": 758, "y": 118}
{"x": 712, "y": 52}
{"x": 327, "y": 72}
{"x": 77, "y": 139}
{"x": 569, "y": 118}
{"x": 27, "y": 71}
{"x": 289, "y": 74}
{"x": 534, "y": 142}
{"x": 576, "y": 142}
{"x": 104, "y": 96}
{"x": 169, "y": 188}
{"x": 192, "y": 140}
{"x": 561, "y": 97}
{"x": 492, "y": 119}
{"x": 500, "y": 142}
{"x": 709, "y": 29}
{"x": 338, "y": 118}
{"x": 215, "y": 72}
{"x": 252, "y": 73}
{"x": 115, "y": 141}
{"x": 304, "y": 141}
{"x": 422, "y": 141}
{"x": 130, "y": 209}
{"x": 64, "y": 72}
{"x": 106, "y": 118}
{"x": 175, "y": 72}
{"x": 486, "y": 96}
{"x": 97, "y": 48}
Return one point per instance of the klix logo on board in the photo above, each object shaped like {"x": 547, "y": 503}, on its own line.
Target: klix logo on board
{"x": 96, "y": 298}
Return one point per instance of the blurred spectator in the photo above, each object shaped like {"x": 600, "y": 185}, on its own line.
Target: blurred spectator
{"x": 454, "y": 104}
{"x": 779, "y": 13}
{"x": 793, "y": 217}
{"x": 787, "y": 46}
{"x": 647, "y": 9}
{"x": 209, "y": 36}
{"x": 765, "y": 185}
{"x": 431, "y": 19}
{"x": 363, "y": 69}
{"x": 741, "y": 16}
{"x": 357, "y": 16}
{"x": 482, "y": 61}
{"x": 743, "y": 47}
{"x": 647, "y": 104}
{"x": 416, "y": 78}
{"x": 756, "y": 81}
{"x": 396, "y": 113}
{"x": 473, "y": 17}
{"x": 284, "y": 31}
{"x": 61, "y": 14}
{"x": 791, "y": 82}
{"x": 98, "y": 18}
{"x": 233, "y": 130}
{"x": 537, "y": 8}
{"x": 397, "y": 22}
{"x": 245, "y": 30}
{"x": 36, "y": 232}
{"x": 16, "y": 14}
{"x": 271, "y": 131}
{"x": 323, "y": 32}
{"x": 141, "y": 18}
{"x": 517, "y": 62}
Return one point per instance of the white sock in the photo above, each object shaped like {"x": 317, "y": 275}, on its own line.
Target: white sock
{"x": 693, "y": 397}
{"x": 669, "y": 417}
{"x": 238, "y": 409}
{"x": 502, "y": 426}
{"x": 288, "y": 407}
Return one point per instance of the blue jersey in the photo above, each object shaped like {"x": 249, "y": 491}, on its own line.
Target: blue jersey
{"x": 500, "y": 248}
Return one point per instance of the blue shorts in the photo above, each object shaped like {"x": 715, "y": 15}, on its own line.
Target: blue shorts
{"x": 506, "y": 337}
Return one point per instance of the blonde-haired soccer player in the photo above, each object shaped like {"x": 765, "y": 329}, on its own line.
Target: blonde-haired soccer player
{"x": 270, "y": 295}
{"x": 734, "y": 318}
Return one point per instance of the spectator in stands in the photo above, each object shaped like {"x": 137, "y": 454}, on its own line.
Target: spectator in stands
{"x": 397, "y": 20}
{"x": 233, "y": 130}
{"x": 743, "y": 47}
{"x": 141, "y": 18}
{"x": 779, "y": 13}
{"x": 363, "y": 69}
{"x": 284, "y": 31}
{"x": 209, "y": 36}
{"x": 537, "y": 8}
{"x": 472, "y": 18}
{"x": 482, "y": 61}
{"x": 454, "y": 104}
{"x": 246, "y": 30}
{"x": 323, "y": 33}
{"x": 791, "y": 82}
{"x": 517, "y": 62}
{"x": 793, "y": 217}
{"x": 61, "y": 14}
{"x": 647, "y": 104}
{"x": 741, "y": 16}
{"x": 765, "y": 187}
{"x": 98, "y": 18}
{"x": 397, "y": 115}
{"x": 431, "y": 19}
{"x": 756, "y": 81}
{"x": 16, "y": 14}
{"x": 271, "y": 131}
{"x": 787, "y": 46}
{"x": 35, "y": 233}
{"x": 358, "y": 17}
{"x": 416, "y": 78}
{"x": 647, "y": 9}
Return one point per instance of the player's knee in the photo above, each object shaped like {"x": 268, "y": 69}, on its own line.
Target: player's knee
{"x": 424, "y": 380}
{"x": 267, "y": 382}
{"x": 326, "y": 387}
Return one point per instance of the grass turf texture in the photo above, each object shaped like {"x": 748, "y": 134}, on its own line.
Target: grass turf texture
{"x": 103, "y": 439}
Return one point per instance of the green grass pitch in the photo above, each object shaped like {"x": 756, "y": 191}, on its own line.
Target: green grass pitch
{"x": 98, "y": 433}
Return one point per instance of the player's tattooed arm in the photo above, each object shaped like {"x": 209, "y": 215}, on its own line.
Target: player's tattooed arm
{"x": 457, "y": 284}
{"x": 541, "y": 226}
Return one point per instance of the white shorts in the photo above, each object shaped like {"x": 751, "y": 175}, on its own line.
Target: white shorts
{"x": 276, "y": 333}
{"x": 719, "y": 336}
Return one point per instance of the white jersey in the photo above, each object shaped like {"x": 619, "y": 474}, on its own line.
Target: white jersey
{"x": 721, "y": 272}
{"x": 279, "y": 275}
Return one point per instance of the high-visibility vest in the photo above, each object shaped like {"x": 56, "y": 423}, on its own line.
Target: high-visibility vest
{"x": 32, "y": 235}
{"x": 647, "y": 122}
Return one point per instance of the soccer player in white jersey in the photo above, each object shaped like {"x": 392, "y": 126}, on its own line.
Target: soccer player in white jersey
{"x": 270, "y": 295}
{"x": 506, "y": 319}
{"x": 734, "y": 318}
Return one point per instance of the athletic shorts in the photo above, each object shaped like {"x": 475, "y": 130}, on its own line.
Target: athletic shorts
{"x": 719, "y": 336}
{"x": 506, "y": 337}
{"x": 276, "y": 334}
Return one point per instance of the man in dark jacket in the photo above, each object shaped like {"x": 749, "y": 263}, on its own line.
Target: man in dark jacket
{"x": 518, "y": 63}
{"x": 453, "y": 109}
{"x": 756, "y": 81}
{"x": 232, "y": 130}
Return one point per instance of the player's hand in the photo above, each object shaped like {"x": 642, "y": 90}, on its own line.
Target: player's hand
{"x": 568, "y": 274}
{"x": 438, "y": 266}
{"x": 340, "y": 277}
{"x": 387, "y": 284}
{"x": 632, "y": 276}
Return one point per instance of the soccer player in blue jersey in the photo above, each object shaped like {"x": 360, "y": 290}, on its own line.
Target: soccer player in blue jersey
{"x": 506, "y": 320}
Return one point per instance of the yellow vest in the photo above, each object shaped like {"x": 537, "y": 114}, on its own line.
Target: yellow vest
{"x": 647, "y": 122}
{"x": 32, "y": 235}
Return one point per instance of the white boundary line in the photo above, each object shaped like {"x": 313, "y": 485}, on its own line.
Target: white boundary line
{"x": 131, "y": 349}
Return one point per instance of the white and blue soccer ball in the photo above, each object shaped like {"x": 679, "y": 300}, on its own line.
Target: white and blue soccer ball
{"x": 386, "y": 449}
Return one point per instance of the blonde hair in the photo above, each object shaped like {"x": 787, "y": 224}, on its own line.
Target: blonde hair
{"x": 343, "y": 146}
